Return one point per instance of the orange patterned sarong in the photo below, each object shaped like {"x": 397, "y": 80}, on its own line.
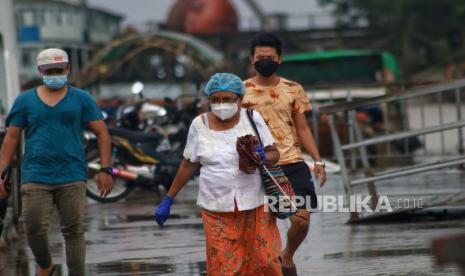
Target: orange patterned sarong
{"x": 242, "y": 243}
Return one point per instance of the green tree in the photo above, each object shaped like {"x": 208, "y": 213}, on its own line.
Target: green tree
{"x": 422, "y": 33}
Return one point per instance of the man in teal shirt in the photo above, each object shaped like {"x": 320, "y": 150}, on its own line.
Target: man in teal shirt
{"x": 54, "y": 170}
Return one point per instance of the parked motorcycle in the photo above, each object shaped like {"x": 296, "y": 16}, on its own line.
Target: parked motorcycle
{"x": 137, "y": 161}
{"x": 147, "y": 148}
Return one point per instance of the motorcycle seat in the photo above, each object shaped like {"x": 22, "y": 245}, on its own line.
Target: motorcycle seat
{"x": 135, "y": 136}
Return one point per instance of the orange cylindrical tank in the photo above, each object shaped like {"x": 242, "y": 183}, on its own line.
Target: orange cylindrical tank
{"x": 203, "y": 17}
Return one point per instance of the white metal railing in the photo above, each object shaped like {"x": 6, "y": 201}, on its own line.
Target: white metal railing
{"x": 451, "y": 91}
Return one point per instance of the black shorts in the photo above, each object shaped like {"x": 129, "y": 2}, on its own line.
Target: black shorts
{"x": 301, "y": 180}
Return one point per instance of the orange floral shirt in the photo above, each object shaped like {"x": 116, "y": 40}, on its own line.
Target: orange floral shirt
{"x": 278, "y": 105}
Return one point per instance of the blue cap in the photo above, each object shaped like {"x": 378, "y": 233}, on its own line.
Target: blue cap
{"x": 224, "y": 82}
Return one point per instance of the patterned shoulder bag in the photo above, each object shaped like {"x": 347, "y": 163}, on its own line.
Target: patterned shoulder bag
{"x": 277, "y": 185}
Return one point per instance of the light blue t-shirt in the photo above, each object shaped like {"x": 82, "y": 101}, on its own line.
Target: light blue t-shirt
{"x": 54, "y": 152}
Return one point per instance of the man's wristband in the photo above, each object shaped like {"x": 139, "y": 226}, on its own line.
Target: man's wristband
{"x": 107, "y": 170}
{"x": 320, "y": 163}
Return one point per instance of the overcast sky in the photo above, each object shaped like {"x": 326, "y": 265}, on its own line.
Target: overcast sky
{"x": 140, "y": 11}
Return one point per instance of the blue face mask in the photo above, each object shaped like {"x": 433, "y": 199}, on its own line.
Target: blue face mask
{"x": 55, "y": 82}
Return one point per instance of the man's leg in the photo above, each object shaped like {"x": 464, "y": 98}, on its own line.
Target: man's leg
{"x": 37, "y": 205}
{"x": 301, "y": 179}
{"x": 297, "y": 233}
{"x": 70, "y": 201}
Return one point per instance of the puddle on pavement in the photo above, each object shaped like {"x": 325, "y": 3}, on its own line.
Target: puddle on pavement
{"x": 141, "y": 268}
{"x": 140, "y": 218}
{"x": 379, "y": 253}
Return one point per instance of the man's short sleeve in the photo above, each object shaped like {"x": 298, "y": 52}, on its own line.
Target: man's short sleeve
{"x": 17, "y": 116}
{"x": 90, "y": 110}
{"x": 301, "y": 102}
{"x": 192, "y": 145}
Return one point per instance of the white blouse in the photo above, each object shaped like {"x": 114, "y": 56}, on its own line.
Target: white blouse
{"x": 220, "y": 180}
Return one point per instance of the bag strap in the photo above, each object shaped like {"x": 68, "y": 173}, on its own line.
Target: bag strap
{"x": 205, "y": 118}
{"x": 254, "y": 126}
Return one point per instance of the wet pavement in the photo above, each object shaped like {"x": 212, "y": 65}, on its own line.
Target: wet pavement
{"x": 123, "y": 239}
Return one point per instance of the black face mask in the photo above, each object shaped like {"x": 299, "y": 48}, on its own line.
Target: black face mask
{"x": 266, "y": 67}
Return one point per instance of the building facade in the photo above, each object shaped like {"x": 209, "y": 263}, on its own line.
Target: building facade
{"x": 74, "y": 27}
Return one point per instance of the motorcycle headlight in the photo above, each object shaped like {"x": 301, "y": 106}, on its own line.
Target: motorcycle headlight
{"x": 153, "y": 113}
{"x": 89, "y": 135}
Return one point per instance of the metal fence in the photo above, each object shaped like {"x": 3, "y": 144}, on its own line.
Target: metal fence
{"x": 417, "y": 130}
{"x": 410, "y": 111}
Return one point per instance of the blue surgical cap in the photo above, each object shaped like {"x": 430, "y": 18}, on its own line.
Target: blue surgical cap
{"x": 224, "y": 82}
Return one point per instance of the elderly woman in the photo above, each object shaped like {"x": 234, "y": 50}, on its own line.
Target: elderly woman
{"x": 241, "y": 238}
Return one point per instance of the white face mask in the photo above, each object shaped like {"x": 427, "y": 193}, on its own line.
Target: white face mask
{"x": 224, "y": 111}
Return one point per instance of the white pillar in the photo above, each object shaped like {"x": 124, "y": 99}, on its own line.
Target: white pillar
{"x": 75, "y": 68}
{"x": 10, "y": 51}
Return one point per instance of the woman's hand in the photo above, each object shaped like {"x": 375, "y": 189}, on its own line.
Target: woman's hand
{"x": 185, "y": 171}
{"x": 163, "y": 211}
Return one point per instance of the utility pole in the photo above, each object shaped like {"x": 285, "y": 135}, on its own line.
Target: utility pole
{"x": 9, "y": 86}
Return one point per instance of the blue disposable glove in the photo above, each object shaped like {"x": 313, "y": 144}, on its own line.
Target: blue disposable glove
{"x": 261, "y": 152}
{"x": 163, "y": 211}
